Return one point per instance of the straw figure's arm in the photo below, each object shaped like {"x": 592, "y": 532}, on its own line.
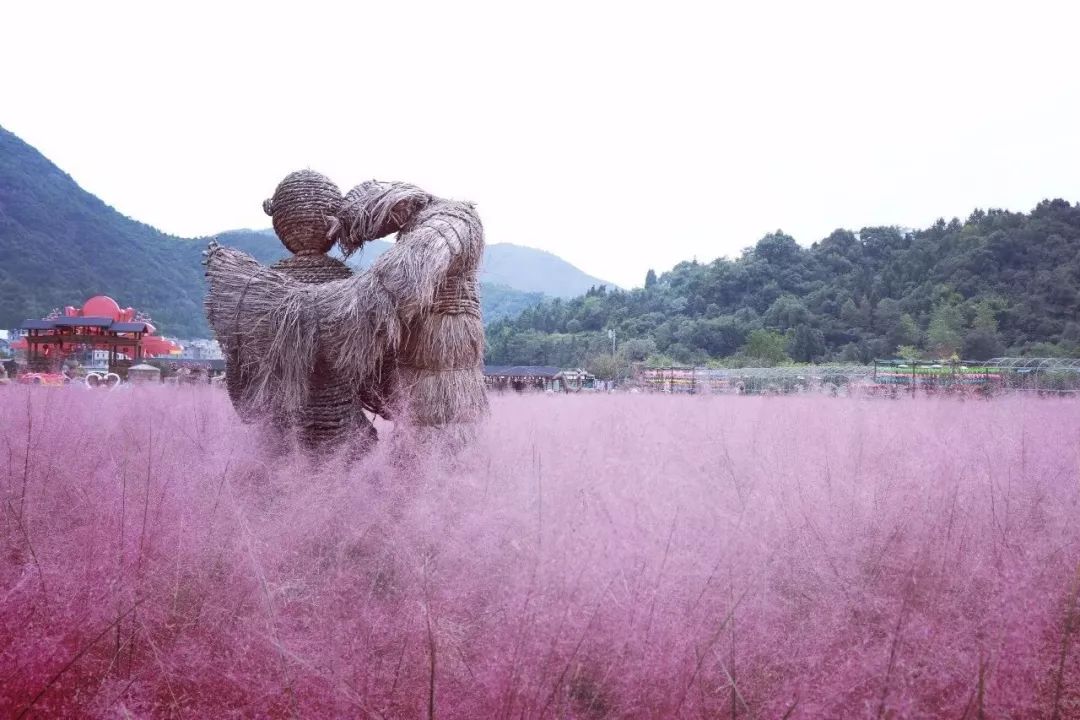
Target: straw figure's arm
{"x": 247, "y": 310}
{"x": 239, "y": 371}
{"x": 437, "y": 240}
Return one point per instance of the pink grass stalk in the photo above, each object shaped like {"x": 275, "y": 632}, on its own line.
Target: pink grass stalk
{"x": 587, "y": 557}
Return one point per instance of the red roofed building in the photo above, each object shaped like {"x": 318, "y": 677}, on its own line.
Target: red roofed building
{"x": 120, "y": 336}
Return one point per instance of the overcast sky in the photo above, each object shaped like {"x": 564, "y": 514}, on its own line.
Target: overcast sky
{"x": 619, "y": 136}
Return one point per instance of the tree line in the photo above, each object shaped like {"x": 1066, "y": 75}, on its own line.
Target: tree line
{"x": 998, "y": 283}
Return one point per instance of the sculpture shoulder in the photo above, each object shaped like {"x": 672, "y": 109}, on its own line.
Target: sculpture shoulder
{"x": 457, "y": 212}
{"x": 454, "y": 221}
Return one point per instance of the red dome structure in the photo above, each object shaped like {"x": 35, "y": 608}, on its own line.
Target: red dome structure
{"x": 102, "y": 306}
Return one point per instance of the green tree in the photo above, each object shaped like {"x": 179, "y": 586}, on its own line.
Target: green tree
{"x": 908, "y": 352}
{"x": 1011, "y": 276}
{"x": 787, "y": 312}
{"x": 986, "y": 311}
{"x": 604, "y": 367}
{"x": 852, "y": 353}
{"x": 887, "y": 314}
{"x": 945, "y": 333}
{"x": 807, "y": 344}
{"x": 982, "y": 344}
{"x": 650, "y": 278}
{"x": 897, "y": 327}
{"x": 777, "y": 248}
{"x": 767, "y": 347}
{"x": 906, "y": 332}
{"x": 660, "y": 361}
{"x": 636, "y": 350}
{"x": 1071, "y": 332}
{"x": 849, "y": 313}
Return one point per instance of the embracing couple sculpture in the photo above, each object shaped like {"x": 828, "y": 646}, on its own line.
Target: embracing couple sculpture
{"x": 310, "y": 346}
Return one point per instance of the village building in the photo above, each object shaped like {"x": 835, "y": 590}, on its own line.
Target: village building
{"x": 541, "y": 378}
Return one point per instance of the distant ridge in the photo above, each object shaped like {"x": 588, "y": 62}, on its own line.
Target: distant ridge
{"x": 535, "y": 270}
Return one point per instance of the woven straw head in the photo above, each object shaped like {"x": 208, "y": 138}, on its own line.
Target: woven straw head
{"x": 305, "y": 210}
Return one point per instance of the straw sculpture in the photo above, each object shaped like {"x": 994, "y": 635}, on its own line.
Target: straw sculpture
{"x": 406, "y": 335}
{"x": 303, "y": 209}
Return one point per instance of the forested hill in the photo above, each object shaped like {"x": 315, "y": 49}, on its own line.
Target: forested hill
{"x": 60, "y": 245}
{"x": 998, "y": 282}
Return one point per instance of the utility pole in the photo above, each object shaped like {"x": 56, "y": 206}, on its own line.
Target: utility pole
{"x": 611, "y": 334}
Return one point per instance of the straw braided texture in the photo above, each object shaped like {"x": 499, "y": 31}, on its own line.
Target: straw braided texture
{"x": 313, "y": 268}
{"x": 432, "y": 272}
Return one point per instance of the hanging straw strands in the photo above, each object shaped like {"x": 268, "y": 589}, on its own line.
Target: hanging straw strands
{"x": 304, "y": 208}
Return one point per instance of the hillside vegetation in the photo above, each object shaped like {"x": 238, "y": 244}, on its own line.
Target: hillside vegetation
{"x": 60, "y": 245}
{"x": 998, "y": 282}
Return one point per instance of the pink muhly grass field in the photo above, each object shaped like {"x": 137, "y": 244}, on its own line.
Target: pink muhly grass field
{"x": 588, "y": 557}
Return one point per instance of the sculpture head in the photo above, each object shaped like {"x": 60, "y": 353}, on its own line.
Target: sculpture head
{"x": 305, "y": 209}
{"x": 374, "y": 209}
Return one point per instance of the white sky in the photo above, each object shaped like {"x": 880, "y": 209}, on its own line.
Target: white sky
{"x": 620, "y": 136}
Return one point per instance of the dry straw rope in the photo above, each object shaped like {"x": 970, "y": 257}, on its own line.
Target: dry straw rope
{"x": 457, "y": 296}
{"x": 313, "y": 268}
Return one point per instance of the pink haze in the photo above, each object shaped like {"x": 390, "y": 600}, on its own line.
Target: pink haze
{"x": 589, "y": 557}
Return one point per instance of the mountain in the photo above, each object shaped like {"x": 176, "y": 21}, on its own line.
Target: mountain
{"x": 60, "y": 245}
{"x": 533, "y": 270}
{"x": 511, "y": 266}
{"x": 999, "y": 282}
{"x": 996, "y": 282}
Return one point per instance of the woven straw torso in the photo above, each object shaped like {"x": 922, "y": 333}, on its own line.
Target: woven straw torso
{"x": 329, "y": 414}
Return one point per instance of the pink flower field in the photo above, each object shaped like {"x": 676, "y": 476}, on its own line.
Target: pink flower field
{"x": 588, "y": 557}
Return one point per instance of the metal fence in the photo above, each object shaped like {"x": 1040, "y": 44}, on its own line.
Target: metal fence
{"x": 1046, "y": 376}
{"x": 753, "y": 381}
